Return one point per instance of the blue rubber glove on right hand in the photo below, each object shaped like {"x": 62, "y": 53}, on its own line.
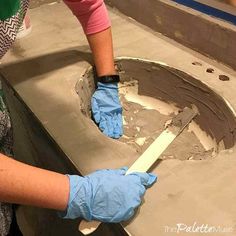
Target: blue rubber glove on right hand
{"x": 107, "y": 195}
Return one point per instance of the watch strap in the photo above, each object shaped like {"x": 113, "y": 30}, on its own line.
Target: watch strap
{"x": 108, "y": 79}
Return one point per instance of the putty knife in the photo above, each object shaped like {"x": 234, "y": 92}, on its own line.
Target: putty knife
{"x": 150, "y": 156}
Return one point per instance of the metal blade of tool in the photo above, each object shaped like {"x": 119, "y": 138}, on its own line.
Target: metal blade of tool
{"x": 154, "y": 151}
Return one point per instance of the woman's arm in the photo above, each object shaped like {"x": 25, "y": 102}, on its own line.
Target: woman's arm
{"x": 24, "y": 184}
{"x": 102, "y": 50}
{"x": 96, "y": 24}
{"x": 88, "y": 197}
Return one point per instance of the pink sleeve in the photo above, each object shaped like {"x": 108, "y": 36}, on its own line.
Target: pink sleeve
{"x": 92, "y": 14}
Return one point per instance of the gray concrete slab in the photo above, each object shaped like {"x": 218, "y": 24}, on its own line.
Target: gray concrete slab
{"x": 43, "y": 69}
{"x": 206, "y": 34}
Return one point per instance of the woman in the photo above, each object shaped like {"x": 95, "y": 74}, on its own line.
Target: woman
{"x": 73, "y": 196}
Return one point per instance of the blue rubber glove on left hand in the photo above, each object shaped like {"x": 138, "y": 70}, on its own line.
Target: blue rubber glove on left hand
{"x": 107, "y": 110}
{"x": 107, "y": 195}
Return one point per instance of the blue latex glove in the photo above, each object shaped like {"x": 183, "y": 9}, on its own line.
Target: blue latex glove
{"x": 107, "y": 110}
{"x": 107, "y": 195}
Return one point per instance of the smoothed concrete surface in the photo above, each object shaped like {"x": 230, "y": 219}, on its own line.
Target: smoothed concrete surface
{"x": 206, "y": 34}
{"x": 44, "y": 67}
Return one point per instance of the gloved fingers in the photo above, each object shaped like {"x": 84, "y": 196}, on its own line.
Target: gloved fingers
{"x": 111, "y": 125}
{"x": 95, "y": 110}
{"x": 152, "y": 179}
{"x": 131, "y": 210}
{"x": 127, "y": 216}
{"x": 119, "y": 217}
{"x": 106, "y": 125}
{"x": 123, "y": 214}
{"x": 142, "y": 191}
{"x": 145, "y": 179}
{"x": 122, "y": 170}
{"x": 115, "y": 130}
{"x": 118, "y": 125}
{"x": 103, "y": 125}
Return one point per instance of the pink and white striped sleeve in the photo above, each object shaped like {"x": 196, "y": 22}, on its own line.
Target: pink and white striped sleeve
{"x": 92, "y": 14}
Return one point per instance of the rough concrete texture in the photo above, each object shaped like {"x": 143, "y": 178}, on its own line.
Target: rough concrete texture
{"x": 43, "y": 69}
{"x": 144, "y": 123}
{"x": 142, "y": 126}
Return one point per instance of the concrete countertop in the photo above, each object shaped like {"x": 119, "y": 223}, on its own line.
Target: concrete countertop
{"x": 44, "y": 67}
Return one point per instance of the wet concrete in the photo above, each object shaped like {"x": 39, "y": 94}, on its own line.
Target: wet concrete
{"x": 171, "y": 86}
{"x": 142, "y": 126}
{"x": 174, "y": 86}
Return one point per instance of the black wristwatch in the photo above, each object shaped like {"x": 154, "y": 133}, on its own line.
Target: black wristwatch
{"x": 106, "y": 79}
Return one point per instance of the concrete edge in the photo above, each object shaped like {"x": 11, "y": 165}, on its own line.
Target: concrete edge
{"x": 205, "y": 34}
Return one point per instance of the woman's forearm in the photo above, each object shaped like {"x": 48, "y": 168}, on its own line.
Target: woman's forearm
{"x": 24, "y": 184}
{"x": 102, "y": 50}
{"x": 95, "y": 21}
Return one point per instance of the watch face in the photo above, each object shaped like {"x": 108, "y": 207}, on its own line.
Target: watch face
{"x": 8, "y": 8}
